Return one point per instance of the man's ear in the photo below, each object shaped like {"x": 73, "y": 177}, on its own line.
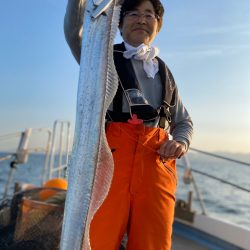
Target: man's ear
{"x": 158, "y": 28}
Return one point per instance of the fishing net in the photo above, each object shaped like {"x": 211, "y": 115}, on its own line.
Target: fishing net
{"x": 29, "y": 222}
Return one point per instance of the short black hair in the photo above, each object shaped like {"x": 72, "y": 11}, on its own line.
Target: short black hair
{"x": 129, "y": 5}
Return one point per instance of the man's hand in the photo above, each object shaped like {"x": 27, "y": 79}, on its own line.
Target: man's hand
{"x": 172, "y": 149}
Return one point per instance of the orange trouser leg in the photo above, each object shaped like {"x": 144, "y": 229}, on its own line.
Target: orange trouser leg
{"x": 141, "y": 198}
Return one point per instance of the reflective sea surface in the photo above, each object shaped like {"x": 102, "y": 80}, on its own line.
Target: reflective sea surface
{"x": 221, "y": 200}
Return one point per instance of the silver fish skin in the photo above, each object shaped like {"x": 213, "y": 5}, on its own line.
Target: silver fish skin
{"x": 91, "y": 165}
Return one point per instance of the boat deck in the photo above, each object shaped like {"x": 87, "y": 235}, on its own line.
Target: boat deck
{"x": 181, "y": 243}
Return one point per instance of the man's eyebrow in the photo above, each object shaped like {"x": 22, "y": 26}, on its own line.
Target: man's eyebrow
{"x": 146, "y": 10}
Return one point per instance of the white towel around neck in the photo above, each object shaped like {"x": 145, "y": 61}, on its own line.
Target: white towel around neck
{"x": 145, "y": 53}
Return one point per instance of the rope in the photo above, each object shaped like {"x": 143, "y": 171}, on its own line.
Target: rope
{"x": 193, "y": 149}
{"x": 9, "y": 136}
{"x": 221, "y": 157}
{"x": 5, "y": 158}
{"x": 217, "y": 178}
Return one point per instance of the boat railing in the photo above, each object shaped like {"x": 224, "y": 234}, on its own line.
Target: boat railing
{"x": 59, "y": 150}
{"x": 7, "y": 137}
{"x": 6, "y": 157}
{"x": 55, "y": 151}
{"x": 189, "y": 178}
{"x": 20, "y": 157}
{"x": 23, "y": 151}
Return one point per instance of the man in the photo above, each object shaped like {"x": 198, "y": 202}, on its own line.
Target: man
{"x": 141, "y": 198}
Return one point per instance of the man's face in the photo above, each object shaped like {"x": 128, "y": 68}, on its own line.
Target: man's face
{"x": 140, "y": 25}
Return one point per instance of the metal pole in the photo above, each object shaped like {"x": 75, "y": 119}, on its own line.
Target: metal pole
{"x": 13, "y": 166}
{"x": 46, "y": 164}
{"x": 199, "y": 196}
{"x": 60, "y": 149}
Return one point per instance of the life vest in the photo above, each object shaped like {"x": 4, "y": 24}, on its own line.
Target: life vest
{"x": 128, "y": 80}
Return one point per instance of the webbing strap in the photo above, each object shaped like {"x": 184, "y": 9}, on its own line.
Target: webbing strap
{"x": 128, "y": 77}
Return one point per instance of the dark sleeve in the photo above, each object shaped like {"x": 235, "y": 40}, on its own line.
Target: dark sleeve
{"x": 73, "y": 26}
{"x": 181, "y": 126}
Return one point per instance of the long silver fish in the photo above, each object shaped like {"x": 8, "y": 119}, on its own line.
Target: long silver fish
{"x": 91, "y": 166}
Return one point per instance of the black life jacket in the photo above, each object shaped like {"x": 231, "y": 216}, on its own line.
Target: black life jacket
{"x": 128, "y": 79}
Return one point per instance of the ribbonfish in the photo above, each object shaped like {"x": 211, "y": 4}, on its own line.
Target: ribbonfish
{"x": 91, "y": 166}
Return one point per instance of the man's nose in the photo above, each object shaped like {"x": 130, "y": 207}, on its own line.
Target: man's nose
{"x": 141, "y": 19}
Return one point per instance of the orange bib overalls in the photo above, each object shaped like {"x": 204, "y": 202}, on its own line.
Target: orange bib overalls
{"x": 141, "y": 199}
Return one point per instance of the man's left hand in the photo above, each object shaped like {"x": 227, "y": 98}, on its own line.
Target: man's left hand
{"x": 172, "y": 149}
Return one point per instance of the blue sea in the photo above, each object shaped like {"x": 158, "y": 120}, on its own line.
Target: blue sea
{"x": 221, "y": 200}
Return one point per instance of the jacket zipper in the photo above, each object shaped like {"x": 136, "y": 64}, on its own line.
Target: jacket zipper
{"x": 169, "y": 169}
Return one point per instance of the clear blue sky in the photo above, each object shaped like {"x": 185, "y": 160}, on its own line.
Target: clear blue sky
{"x": 205, "y": 43}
